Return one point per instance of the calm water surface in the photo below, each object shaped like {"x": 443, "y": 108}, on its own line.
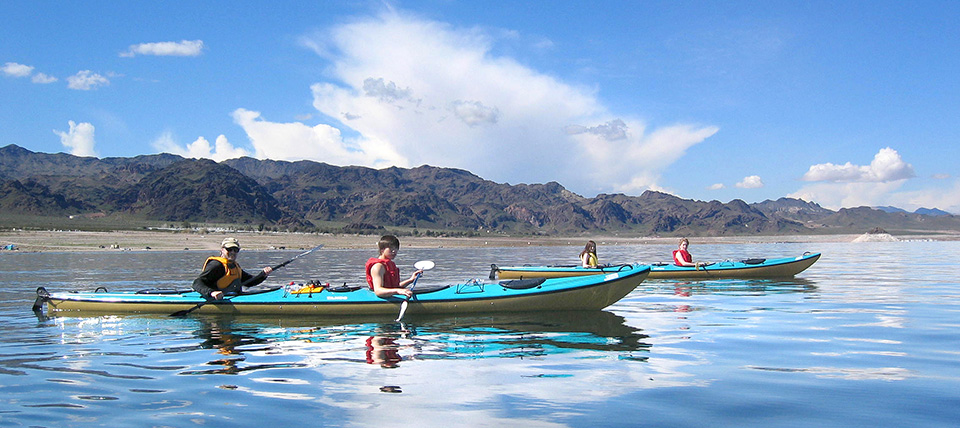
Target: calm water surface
{"x": 867, "y": 336}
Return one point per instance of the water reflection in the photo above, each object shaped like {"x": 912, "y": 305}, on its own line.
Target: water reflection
{"x": 230, "y": 340}
{"x": 383, "y": 348}
{"x": 318, "y": 341}
{"x": 733, "y": 287}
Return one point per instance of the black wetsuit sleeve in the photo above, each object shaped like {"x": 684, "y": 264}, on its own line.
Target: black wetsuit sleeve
{"x": 206, "y": 283}
{"x": 253, "y": 279}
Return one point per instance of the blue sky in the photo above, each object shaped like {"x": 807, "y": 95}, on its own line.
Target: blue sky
{"x": 841, "y": 103}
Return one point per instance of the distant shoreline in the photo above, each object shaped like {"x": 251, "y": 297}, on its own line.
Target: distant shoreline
{"x": 34, "y": 241}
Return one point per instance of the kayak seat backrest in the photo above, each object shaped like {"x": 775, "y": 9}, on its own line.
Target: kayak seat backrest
{"x": 522, "y": 284}
{"x": 752, "y": 261}
{"x": 344, "y": 288}
{"x": 424, "y": 289}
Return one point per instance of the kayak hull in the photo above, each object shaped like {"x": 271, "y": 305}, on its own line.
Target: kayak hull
{"x": 771, "y": 268}
{"x": 560, "y": 294}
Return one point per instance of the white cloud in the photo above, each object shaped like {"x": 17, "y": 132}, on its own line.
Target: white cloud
{"x": 200, "y": 148}
{"x": 296, "y": 141}
{"x": 79, "y": 139}
{"x": 845, "y": 195}
{"x": 849, "y": 185}
{"x": 751, "y": 182}
{"x": 613, "y": 130}
{"x": 43, "y": 78}
{"x": 947, "y": 199}
{"x": 86, "y": 80}
{"x": 716, "y": 186}
{"x": 384, "y": 91}
{"x": 181, "y": 48}
{"x": 423, "y": 92}
{"x": 474, "y": 113}
{"x": 640, "y": 157}
{"x": 886, "y": 166}
{"x": 13, "y": 69}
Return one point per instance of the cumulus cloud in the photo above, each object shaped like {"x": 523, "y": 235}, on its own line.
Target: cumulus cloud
{"x": 850, "y": 185}
{"x": 848, "y": 194}
{"x": 384, "y": 91}
{"x": 417, "y": 91}
{"x": 200, "y": 148}
{"x": 613, "y": 130}
{"x": 886, "y": 166}
{"x": 79, "y": 139}
{"x": 296, "y": 141}
{"x": 474, "y": 113}
{"x": 641, "y": 156}
{"x": 86, "y": 80}
{"x": 43, "y": 78}
{"x": 751, "y": 182}
{"x": 181, "y": 48}
{"x": 13, "y": 69}
{"x": 716, "y": 186}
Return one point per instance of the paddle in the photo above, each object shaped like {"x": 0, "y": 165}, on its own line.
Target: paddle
{"x": 421, "y": 265}
{"x": 199, "y": 305}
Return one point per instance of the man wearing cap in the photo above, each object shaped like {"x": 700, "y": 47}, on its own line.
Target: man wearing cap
{"x": 223, "y": 275}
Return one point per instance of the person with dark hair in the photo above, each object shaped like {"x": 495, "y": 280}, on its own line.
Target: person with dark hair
{"x": 588, "y": 257}
{"x": 383, "y": 275}
{"x": 223, "y": 274}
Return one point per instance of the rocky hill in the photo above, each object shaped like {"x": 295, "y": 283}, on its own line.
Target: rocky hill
{"x": 306, "y": 194}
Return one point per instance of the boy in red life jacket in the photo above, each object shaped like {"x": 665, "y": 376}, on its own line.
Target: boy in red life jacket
{"x": 383, "y": 275}
{"x": 223, "y": 274}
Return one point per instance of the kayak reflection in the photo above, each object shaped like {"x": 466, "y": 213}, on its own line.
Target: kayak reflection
{"x": 313, "y": 341}
{"x": 528, "y": 335}
{"x": 734, "y": 287}
{"x": 231, "y": 342}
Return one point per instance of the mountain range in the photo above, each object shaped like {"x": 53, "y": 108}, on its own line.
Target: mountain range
{"x": 308, "y": 195}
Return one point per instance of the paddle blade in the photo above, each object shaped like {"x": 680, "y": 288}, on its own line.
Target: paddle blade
{"x": 403, "y": 310}
{"x": 180, "y": 314}
{"x": 185, "y": 312}
{"x": 424, "y": 265}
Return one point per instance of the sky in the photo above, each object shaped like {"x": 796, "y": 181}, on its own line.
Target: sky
{"x": 842, "y": 103}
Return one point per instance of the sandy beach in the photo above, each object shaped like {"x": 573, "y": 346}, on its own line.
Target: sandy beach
{"x": 167, "y": 241}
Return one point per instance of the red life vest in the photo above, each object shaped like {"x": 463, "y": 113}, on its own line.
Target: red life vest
{"x": 391, "y": 278}
{"x": 385, "y": 351}
{"x": 684, "y": 254}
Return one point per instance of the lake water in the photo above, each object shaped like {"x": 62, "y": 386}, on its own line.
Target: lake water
{"x": 868, "y": 336}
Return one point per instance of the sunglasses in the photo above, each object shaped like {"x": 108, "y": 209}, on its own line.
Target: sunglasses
{"x": 233, "y": 250}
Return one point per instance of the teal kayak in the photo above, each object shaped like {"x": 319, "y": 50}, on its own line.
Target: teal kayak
{"x": 744, "y": 269}
{"x": 593, "y": 292}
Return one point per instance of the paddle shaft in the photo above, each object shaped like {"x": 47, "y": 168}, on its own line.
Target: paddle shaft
{"x": 244, "y": 283}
